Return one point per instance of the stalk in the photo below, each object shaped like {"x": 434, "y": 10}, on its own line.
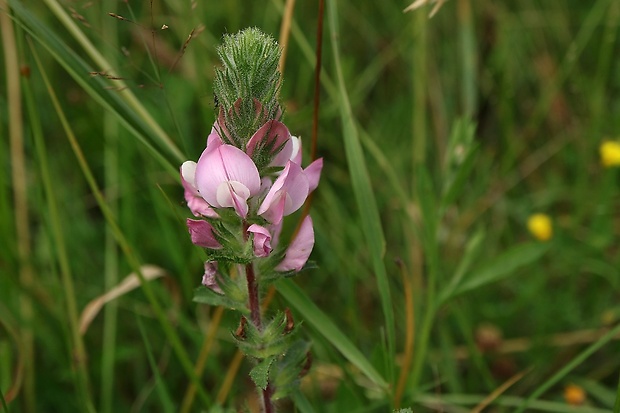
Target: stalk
{"x": 255, "y": 316}
{"x": 20, "y": 195}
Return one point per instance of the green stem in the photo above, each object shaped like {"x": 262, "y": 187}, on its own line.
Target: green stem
{"x": 20, "y": 200}
{"x": 110, "y": 132}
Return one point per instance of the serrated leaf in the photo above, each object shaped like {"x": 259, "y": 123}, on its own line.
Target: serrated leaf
{"x": 260, "y": 373}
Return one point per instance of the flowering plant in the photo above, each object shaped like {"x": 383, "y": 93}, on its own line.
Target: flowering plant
{"x": 248, "y": 178}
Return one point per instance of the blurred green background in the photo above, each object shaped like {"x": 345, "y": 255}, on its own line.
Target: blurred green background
{"x": 470, "y": 122}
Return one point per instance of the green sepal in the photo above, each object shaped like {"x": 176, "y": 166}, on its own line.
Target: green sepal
{"x": 272, "y": 340}
{"x": 260, "y": 373}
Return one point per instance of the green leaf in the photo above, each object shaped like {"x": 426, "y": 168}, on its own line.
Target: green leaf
{"x": 503, "y": 266}
{"x": 472, "y": 250}
{"x": 313, "y": 315}
{"x": 205, "y": 295}
{"x": 260, "y": 373}
{"x": 289, "y": 369}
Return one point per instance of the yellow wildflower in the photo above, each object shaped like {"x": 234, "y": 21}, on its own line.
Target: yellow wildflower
{"x": 610, "y": 153}
{"x": 574, "y": 395}
{"x": 540, "y": 226}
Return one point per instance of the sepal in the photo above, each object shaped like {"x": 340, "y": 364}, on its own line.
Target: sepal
{"x": 272, "y": 340}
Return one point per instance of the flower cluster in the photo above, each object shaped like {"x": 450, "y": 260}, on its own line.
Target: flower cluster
{"x": 262, "y": 181}
{"x": 248, "y": 178}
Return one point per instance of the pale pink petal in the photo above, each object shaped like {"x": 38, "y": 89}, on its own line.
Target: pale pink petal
{"x": 213, "y": 141}
{"x": 275, "y": 210}
{"x": 291, "y": 189}
{"x": 300, "y": 248}
{"x": 233, "y": 194}
{"x": 296, "y": 153}
{"x": 209, "y": 279}
{"x": 195, "y": 203}
{"x": 226, "y": 164}
{"x": 201, "y": 233}
{"x": 188, "y": 176}
{"x": 262, "y": 240}
{"x": 275, "y": 230}
{"x": 313, "y": 173}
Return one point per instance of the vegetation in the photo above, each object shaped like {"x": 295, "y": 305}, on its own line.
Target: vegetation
{"x": 441, "y": 138}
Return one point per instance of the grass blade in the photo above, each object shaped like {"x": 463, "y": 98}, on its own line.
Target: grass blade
{"x": 313, "y": 314}
{"x": 569, "y": 367}
{"x": 500, "y": 267}
{"x": 364, "y": 196}
{"x": 97, "y": 88}
{"x": 164, "y": 395}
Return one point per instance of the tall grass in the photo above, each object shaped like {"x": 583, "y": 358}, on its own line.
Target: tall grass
{"x": 440, "y": 137}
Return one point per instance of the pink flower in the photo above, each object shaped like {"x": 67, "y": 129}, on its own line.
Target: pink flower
{"x": 261, "y": 241}
{"x": 227, "y": 177}
{"x": 287, "y": 194}
{"x": 202, "y": 235}
{"x": 290, "y": 190}
{"x": 299, "y": 249}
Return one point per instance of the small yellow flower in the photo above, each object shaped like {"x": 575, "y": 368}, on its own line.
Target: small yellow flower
{"x": 574, "y": 395}
{"x": 610, "y": 153}
{"x": 540, "y": 226}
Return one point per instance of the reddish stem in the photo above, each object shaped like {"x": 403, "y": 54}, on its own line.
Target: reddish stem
{"x": 255, "y": 316}
{"x": 253, "y": 301}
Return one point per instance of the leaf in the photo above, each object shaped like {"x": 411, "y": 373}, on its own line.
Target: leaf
{"x": 503, "y": 266}
{"x": 260, "y": 373}
{"x": 205, "y": 295}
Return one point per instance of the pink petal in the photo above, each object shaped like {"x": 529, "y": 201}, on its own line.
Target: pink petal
{"x": 275, "y": 231}
{"x": 261, "y": 241}
{"x": 300, "y": 248}
{"x": 296, "y": 153}
{"x": 196, "y": 204}
{"x": 201, "y": 233}
{"x": 228, "y": 165}
{"x": 276, "y": 135}
{"x": 209, "y": 279}
{"x": 287, "y": 194}
{"x": 234, "y": 194}
{"x": 213, "y": 141}
{"x": 313, "y": 173}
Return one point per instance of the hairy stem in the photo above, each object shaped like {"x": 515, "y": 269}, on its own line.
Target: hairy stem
{"x": 255, "y": 316}
{"x": 253, "y": 300}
